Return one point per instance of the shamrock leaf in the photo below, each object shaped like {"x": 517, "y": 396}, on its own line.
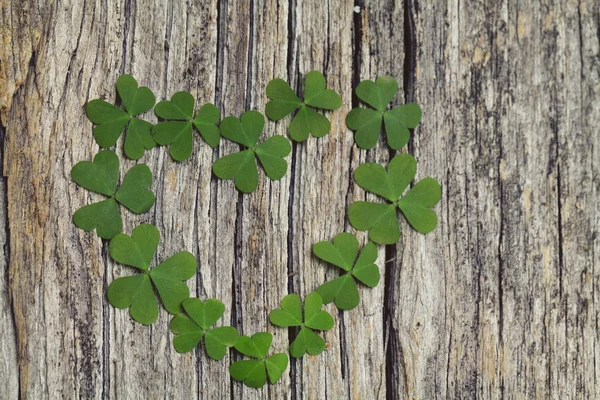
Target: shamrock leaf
{"x": 313, "y": 318}
{"x": 367, "y": 122}
{"x": 101, "y": 176}
{"x": 254, "y": 372}
{"x": 168, "y": 278}
{"x": 111, "y": 120}
{"x": 381, "y": 219}
{"x": 241, "y": 166}
{"x": 190, "y": 330}
{"x": 306, "y": 121}
{"x": 342, "y": 253}
{"x": 176, "y": 130}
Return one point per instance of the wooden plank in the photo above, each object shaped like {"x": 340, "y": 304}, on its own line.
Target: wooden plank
{"x": 500, "y": 300}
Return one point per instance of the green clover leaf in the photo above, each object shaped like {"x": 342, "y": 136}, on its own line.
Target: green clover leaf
{"x": 342, "y": 253}
{"x": 176, "y": 130}
{"x": 381, "y": 219}
{"x": 306, "y": 121}
{"x": 254, "y": 372}
{"x": 111, "y": 120}
{"x": 313, "y": 318}
{"x": 190, "y": 330}
{"x": 241, "y": 166}
{"x": 101, "y": 176}
{"x": 168, "y": 278}
{"x": 367, "y": 122}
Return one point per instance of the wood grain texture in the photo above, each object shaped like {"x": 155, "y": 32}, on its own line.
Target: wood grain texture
{"x": 501, "y": 300}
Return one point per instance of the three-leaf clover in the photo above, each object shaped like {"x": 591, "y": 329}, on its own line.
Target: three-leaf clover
{"x": 176, "y": 130}
{"x": 137, "y": 292}
{"x": 254, "y": 372}
{"x": 111, "y": 120}
{"x": 381, "y": 219}
{"x": 290, "y": 314}
{"x": 307, "y": 121}
{"x": 242, "y": 166}
{"x": 101, "y": 176}
{"x": 342, "y": 253}
{"x": 190, "y": 330}
{"x": 367, "y": 122}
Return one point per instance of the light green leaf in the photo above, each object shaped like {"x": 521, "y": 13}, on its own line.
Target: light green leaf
{"x": 389, "y": 185}
{"x": 397, "y": 121}
{"x": 342, "y": 252}
{"x": 314, "y": 316}
{"x": 169, "y": 276}
{"x": 136, "y": 250}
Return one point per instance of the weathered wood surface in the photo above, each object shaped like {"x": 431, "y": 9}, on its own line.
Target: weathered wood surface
{"x": 499, "y": 301}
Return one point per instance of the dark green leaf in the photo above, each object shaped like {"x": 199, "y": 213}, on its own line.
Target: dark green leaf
{"x": 381, "y": 219}
{"x": 377, "y": 94}
{"x": 134, "y": 192}
{"x": 180, "y": 107}
{"x": 177, "y": 135}
{"x": 190, "y": 331}
{"x": 110, "y": 121}
{"x": 252, "y": 372}
{"x": 244, "y": 131}
{"x": 136, "y": 293}
{"x": 241, "y": 167}
{"x": 397, "y": 123}
{"x": 283, "y": 100}
{"x": 136, "y": 99}
{"x": 271, "y": 153}
{"x": 99, "y": 176}
{"x": 415, "y": 205}
{"x": 367, "y": 124}
{"x": 342, "y": 253}
{"x": 256, "y": 346}
{"x": 103, "y": 216}
{"x": 138, "y": 138}
{"x": 206, "y": 122}
{"x": 136, "y": 250}
{"x": 169, "y": 277}
{"x": 276, "y": 366}
{"x": 307, "y": 121}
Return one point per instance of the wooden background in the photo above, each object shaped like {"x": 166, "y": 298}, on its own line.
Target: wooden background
{"x": 501, "y": 300}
